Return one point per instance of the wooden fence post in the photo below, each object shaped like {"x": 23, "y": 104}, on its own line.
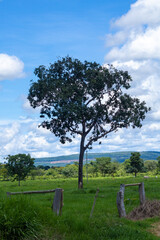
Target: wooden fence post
{"x": 141, "y": 193}
{"x": 120, "y": 201}
{"x": 94, "y": 202}
{"x": 58, "y": 201}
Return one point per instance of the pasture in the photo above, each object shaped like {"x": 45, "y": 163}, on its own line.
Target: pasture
{"x": 31, "y": 217}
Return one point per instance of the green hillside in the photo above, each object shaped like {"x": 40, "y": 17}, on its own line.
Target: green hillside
{"x": 115, "y": 156}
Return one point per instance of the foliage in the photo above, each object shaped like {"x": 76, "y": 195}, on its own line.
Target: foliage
{"x": 84, "y": 99}
{"x": 114, "y": 167}
{"x": 70, "y": 171}
{"x": 136, "y": 164}
{"x": 150, "y": 165}
{"x": 36, "y": 172}
{"x": 93, "y": 168}
{"x": 18, "y": 219}
{"x": 19, "y": 165}
{"x": 43, "y": 167}
{"x": 103, "y": 165}
{"x": 3, "y": 172}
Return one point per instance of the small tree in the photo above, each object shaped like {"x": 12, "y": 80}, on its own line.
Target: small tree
{"x": 84, "y": 99}
{"x": 103, "y": 164}
{"x": 19, "y": 166}
{"x": 136, "y": 163}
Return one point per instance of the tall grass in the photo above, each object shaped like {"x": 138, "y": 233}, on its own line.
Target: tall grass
{"x": 18, "y": 219}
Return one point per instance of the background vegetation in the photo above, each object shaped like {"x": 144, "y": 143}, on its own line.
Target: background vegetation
{"x": 101, "y": 167}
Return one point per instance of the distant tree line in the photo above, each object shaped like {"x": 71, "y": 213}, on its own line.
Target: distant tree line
{"x": 21, "y": 166}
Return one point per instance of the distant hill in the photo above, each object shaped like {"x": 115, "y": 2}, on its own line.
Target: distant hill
{"x": 115, "y": 156}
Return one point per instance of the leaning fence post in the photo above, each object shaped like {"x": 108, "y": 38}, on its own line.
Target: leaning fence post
{"x": 58, "y": 201}
{"x": 120, "y": 201}
{"x": 94, "y": 202}
{"x": 141, "y": 193}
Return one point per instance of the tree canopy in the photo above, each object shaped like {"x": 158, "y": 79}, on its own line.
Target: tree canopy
{"x": 85, "y": 99}
{"x": 103, "y": 164}
{"x": 136, "y": 164}
{"x": 19, "y": 165}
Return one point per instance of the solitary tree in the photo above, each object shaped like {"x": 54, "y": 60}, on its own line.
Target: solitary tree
{"x": 84, "y": 99}
{"x": 19, "y": 165}
{"x": 136, "y": 163}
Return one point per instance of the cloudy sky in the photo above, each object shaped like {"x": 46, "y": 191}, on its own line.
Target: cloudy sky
{"x": 125, "y": 33}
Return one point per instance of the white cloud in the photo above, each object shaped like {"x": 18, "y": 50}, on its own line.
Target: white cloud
{"x": 138, "y": 46}
{"x": 142, "y": 12}
{"x": 24, "y": 136}
{"x": 9, "y": 132}
{"x": 131, "y": 64}
{"x": 140, "y": 51}
{"x": 156, "y": 115}
{"x": 134, "y": 47}
{"x": 154, "y": 126}
{"x": 11, "y": 67}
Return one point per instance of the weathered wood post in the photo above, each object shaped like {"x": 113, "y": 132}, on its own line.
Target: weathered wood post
{"x": 58, "y": 201}
{"x": 141, "y": 193}
{"x": 120, "y": 201}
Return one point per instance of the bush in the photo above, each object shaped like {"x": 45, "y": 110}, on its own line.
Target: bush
{"x": 18, "y": 219}
{"x": 70, "y": 171}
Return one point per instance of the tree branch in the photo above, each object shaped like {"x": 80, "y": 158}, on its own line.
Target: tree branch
{"x": 74, "y": 131}
{"x": 90, "y": 101}
{"x": 98, "y": 137}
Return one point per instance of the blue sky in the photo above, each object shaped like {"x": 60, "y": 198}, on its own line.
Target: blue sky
{"x": 37, "y": 32}
{"x": 125, "y": 33}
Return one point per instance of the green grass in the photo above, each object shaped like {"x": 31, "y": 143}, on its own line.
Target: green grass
{"x": 75, "y": 222}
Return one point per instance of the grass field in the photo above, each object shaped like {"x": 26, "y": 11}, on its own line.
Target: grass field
{"x": 34, "y": 212}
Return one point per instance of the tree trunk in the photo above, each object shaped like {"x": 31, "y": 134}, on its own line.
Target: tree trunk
{"x": 81, "y": 156}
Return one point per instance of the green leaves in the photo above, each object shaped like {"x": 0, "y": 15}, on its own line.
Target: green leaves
{"x": 19, "y": 165}
{"x": 71, "y": 94}
{"x": 135, "y": 164}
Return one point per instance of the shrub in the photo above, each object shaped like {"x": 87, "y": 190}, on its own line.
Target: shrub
{"x": 18, "y": 219}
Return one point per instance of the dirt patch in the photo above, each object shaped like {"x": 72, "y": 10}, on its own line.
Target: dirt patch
{"x": 155, "y": 229}
{"x": 147, "y": 210}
